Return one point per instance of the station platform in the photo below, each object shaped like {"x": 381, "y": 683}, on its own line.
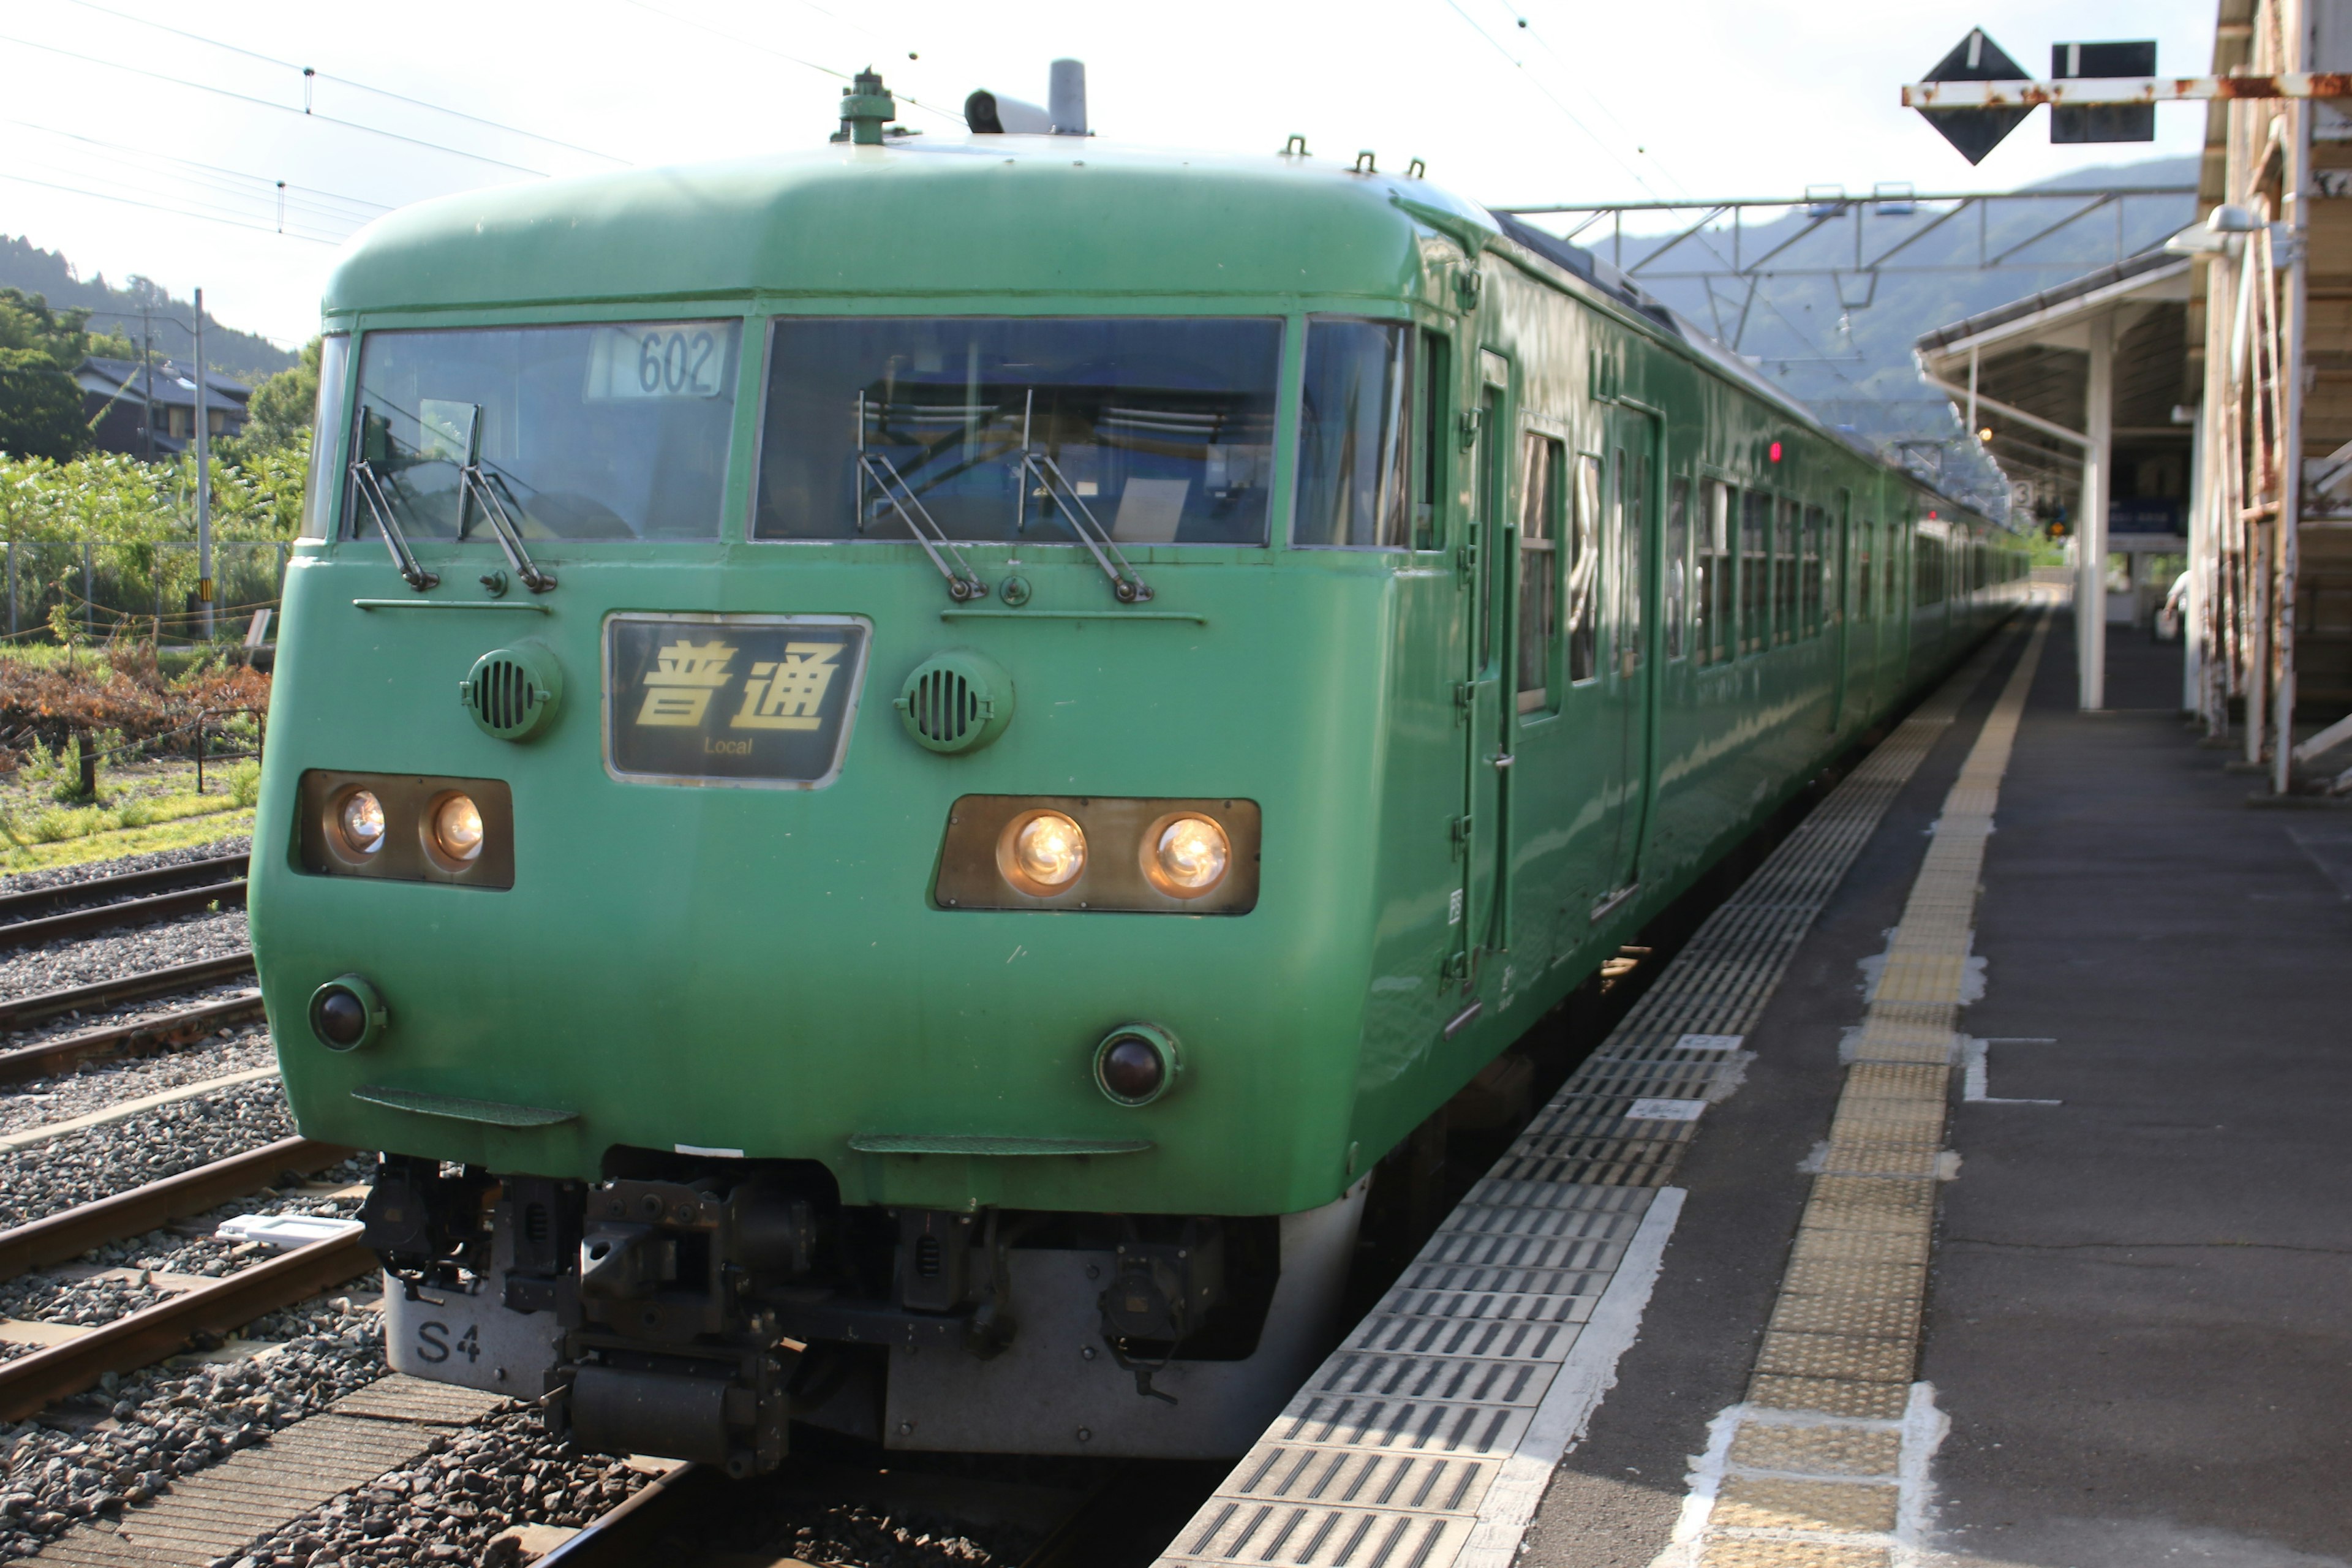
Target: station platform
{"x": 1970, "y": 1192}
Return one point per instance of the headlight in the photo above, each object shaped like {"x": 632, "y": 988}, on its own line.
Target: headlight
{"x": 1186, "y": 857}
{"x": 457, "y": 828}
{"x": 1042, "y": 852}
{"x": 358, "y": 817}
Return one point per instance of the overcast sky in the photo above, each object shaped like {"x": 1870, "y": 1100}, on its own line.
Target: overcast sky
{"x": 1547, "y": 100}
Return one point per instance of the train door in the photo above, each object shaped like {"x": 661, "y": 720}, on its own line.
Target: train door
{"x": 1631, "y": 535}
{"x": 1484, "y": 830}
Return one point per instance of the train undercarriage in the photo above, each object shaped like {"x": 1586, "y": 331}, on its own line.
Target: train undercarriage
{"x": 697, "y": 1308}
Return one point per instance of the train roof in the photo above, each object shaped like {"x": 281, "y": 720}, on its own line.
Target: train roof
{"x": 1017, "y": 215}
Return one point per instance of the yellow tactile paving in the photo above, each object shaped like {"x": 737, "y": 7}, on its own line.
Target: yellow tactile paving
{"x": 1894, "y": 1315}
{"x": 1762, "y": 1502}
{"x": 1849, "y": 1357}
{"x": 1843, "y": 1340}
{"x": 1818, "y": 1450}
{"x": 1836, "y": 1276}
{"x": 1828, "y": 1396}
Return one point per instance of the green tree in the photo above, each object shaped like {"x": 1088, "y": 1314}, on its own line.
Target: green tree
{"x": 279, "y": 414}
{"x": 40, "y": 406}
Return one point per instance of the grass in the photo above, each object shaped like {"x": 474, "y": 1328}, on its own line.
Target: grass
{"x": 142, "y": 806}
{"x": 109, "y": 845}
{"x": 173, "y": 662}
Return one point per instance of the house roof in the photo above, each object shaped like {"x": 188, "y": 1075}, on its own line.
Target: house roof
{"x": 173, "y": 385}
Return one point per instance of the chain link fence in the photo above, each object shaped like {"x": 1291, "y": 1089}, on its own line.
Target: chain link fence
{"x": 138, "y": 588}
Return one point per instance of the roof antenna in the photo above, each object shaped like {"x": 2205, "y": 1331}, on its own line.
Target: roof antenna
{"x": 1066, "y": 98}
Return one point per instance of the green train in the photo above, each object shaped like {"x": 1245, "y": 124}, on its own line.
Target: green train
{"x": 894, "y": 771}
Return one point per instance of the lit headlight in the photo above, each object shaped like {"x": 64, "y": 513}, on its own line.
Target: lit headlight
{"x": 358, "y": 817}
{"x": 1042, "y": 853}
{"x": 1186, "y": 857}
{"x": 456, "y": 828}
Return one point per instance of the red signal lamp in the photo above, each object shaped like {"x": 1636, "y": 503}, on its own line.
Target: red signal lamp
{"x": 1775, "y": 453}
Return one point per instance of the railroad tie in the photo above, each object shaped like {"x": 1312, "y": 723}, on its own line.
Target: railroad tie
{"x": 215, "y": 1513}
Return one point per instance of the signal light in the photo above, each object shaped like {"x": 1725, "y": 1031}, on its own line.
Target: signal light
{"x": 1135, "y": 1063}
{"x": 1776, "y": 451}
{"x": 346, "y": 1012}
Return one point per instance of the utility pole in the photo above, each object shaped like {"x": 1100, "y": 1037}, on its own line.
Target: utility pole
{"x": 204, "y": 485}
{"x": 147, "y": 372}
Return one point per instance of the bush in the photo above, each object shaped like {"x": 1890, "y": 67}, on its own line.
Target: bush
{"x": 245, "y": 783}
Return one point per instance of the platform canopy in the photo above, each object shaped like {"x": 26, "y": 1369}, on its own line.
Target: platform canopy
{"x": 2082, "y": 394}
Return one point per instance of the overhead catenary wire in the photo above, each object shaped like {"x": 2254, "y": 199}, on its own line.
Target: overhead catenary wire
{"x": 278, "y": 108}
{"x": 347, "y": 81}
{"x": 333, "y": 210}
{"x": 1571, "y": 116}
{"x": 949, "y": 114}
{"x": 158, "y": 206}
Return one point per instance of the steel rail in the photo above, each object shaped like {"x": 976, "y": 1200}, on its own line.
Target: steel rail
{"x": 74, "y": 895}
{"x": 103, "y": 917}
{"x": 622, "y": 1536}
{"x": 32, "y": 1383}
{"x": 146, "y": 1037}
{"x": 71, "y": 1232}
{"x": 27, "y": 1011}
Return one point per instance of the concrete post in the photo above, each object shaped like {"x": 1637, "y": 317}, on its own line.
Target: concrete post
{"x": 204, "y": 485}
{"x": 2200, "y": 537}
{"x": 2091, "y": 529}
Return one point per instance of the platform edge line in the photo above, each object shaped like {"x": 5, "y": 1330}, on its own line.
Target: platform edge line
{"x": 1584, "y": 1378}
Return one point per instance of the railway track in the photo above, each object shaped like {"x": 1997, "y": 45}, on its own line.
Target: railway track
{"x": 144, "y": 1036}
{"x": 75, "y": 909}
{"x": 38, "y": 1379}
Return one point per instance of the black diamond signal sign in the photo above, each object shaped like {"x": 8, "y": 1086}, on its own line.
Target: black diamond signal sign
{"x": 1974, "y": 132}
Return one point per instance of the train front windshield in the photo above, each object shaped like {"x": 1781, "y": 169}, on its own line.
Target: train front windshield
{"x": 1162, "y": 429}
{"x": 614, "y": 431}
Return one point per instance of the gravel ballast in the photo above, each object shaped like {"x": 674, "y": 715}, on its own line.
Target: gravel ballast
{"x": 116, "y": 1156}
{"x": 91, "y": 871}
{"x": 98, "y": 1085}
{"x": 111, "y": 955}
{"x": 163, "y": 1422}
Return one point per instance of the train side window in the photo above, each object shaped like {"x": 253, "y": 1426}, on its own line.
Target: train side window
{"x": 1545, "y": 462}
{"x": 1584, "y": 571}
{"x": 1865, "y": 533}
{"x": 1784, "y": 573}
{"x": 1808, "y": 577}
{"x": 1677, "y": 568}
{"x": 1632, "y": 558}
{"x": 1428, "y": 441}
{"x": 1354, "y": 437}
{"x": 1711, "y": 590}
{"x": 1754, "y": 569}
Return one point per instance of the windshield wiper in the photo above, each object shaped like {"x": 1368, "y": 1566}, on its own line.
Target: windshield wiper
{"x": 963, "y": 583}
{"x": 471, "y": 481}
{"x": 370, "y": 487}
{"x": 1126, "y": 583}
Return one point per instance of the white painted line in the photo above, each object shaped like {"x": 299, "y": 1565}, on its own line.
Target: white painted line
{"x": 714, "y": 1153}
{"x": 1976, "y": 1079}
{"x": 1709, "y": 1042}
{"x": 1588, "y": 1373}
{"x": 1924, "y": 1429}
{"x": 1665, "y": 1110}
{"x": 123, "y": 1109}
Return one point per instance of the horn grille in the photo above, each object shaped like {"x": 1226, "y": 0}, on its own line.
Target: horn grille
{"x": 956, "y": 702}
{"x": 513, "y": 691}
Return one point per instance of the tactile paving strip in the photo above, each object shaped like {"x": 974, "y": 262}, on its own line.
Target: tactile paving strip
{"x": 1814, "y": 1474}
{"x": 1450, "y": 1364}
